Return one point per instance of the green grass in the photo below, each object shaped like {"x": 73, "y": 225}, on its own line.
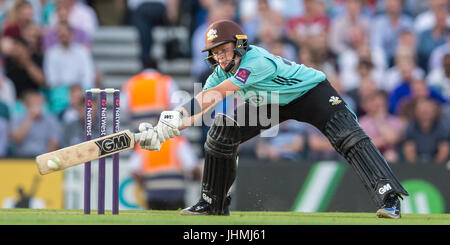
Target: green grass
{"x": 144, "y": 217}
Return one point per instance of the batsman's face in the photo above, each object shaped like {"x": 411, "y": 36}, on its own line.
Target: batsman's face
{"x": 223, "y": 54}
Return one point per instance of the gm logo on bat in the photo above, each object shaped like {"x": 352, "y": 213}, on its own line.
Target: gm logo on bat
{"x": 113, "y": 144}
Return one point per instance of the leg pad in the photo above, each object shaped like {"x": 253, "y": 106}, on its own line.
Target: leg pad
{"x": 349, "y": 139}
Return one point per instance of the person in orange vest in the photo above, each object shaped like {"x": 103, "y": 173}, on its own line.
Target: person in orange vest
{"x": 161, "y": 175}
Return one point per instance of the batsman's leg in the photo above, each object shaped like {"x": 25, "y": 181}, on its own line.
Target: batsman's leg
{"x": 339, "y": 124}
{"x": 349, "y": 139}
{"x": 219, "y": 172}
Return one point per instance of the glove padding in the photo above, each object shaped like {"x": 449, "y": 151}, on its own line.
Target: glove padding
{"x": 168, "y": 125}
{"x": 149, "y": 138}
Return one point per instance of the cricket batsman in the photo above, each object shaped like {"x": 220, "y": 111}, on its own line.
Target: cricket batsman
{"x": 303, "y": 94}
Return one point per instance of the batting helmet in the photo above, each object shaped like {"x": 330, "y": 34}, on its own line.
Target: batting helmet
{"x": 225, "y": 31}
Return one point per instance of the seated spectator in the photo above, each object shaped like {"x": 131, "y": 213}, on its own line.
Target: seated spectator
{"x": 439, "y": 79}
{"x": 20, "y": 16}
{"x": 438, "y": 53}
{"x": 418, "y": 89}
{"x": 260, "y": 11}
{"x": 388, "y": 26}
{"x": 23, "y": 60}
{"x": 321, "y": 55}
{"x": 76, "y": 100}
{"x": 348, "y": 26}
{"x": 288, "y": 143}
{"x": 284, "y": 48}
{"x": 73, "y": 131}
{"x": 271, "y": 37}
{"x": 81, "y": 16}
{"x": 431, "y": 38}
{"x": 385, "y": 130}
{"x": 51, "y": 35}
{"x": 427, "y": 19}
{"x": 351, "y": 61}
{"x": 67, "y": 64}
{"x": 34, "y": 132}
{"x": 404, "y": 69}
{"x": 426, "y": 137}
{"x": 366, "y": 88}
{"x": 410, "y": 90}
{"x": 313, "y": 21}
{"x": 319, "y": 147}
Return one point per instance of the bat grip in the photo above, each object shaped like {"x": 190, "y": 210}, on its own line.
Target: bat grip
{"x": 137, "y": 136}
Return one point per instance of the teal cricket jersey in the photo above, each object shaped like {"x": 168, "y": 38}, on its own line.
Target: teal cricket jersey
{"x": 266, "y": 78}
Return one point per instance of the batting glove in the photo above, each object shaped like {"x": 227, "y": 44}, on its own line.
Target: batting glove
{"x": 168, "y": 125}
{"x": 149, "y": 138}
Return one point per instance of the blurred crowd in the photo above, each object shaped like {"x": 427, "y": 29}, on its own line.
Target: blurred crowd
{"x": 389, "y": 60}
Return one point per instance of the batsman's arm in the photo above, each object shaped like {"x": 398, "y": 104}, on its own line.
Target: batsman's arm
{"x": 203, "y": 101}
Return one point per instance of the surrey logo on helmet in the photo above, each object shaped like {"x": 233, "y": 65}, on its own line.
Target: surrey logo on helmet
{"x": 211, "y": 34}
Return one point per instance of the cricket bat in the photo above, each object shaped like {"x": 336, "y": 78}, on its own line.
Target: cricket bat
{"x": 87, "y": 151}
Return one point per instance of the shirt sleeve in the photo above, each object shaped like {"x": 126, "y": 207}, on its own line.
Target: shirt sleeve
{"x": 212, "y": 81}
{"x": 253, "y": 71}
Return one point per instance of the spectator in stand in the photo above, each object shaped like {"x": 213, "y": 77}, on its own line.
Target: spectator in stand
{"x": 72, "y": 113}
{"x": 427, "y": 19}
{"x": 387, "y": 27}
{"x": 34, "y": 132}
{"x": 271, "y": 37}
{"x": 385, "y": 130}
{"x": 439, "y": 78}
{"x": 407, "y": 40}
{"x": 405, "y": 67}
{"x": 73, "y": 129}
{"x": 349, "y": 61}
{"x": 418, "y": 89}
{"x": 313, "y": 21}
{"x": 366, "y": 88}
{"x": 51, "y": 35}
{"x": 416, "y": 7}
{"x": 432, "y": 38}
{"x": 23, "y": 60}
{"x": 145, "y": 14}
{"x": 414, "y": 87}
{"x": 289, "y": 143}
{"x": 66, "y": 64}
{"x": 284, "y": 48}
{"x": 426, "y": 137}
{"x": 321, "y": 55}
{"x": 81, "y": 16}
{"x": 20, "y": 16}
{"x": 438, "y": 53}
{"x": 344, "y": 29}
{"x": 254, "y": 12}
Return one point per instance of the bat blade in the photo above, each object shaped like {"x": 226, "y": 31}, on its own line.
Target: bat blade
{"x": 87, "y": 151}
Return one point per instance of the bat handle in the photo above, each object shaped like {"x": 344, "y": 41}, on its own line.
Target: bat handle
{"x": 137, "y": 136}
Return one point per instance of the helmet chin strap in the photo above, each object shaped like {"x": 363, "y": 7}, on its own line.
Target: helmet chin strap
{"x": 231, "y": 65}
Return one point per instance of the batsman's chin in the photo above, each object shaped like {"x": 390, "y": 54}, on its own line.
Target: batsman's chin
{"x": 224, "y": 65}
